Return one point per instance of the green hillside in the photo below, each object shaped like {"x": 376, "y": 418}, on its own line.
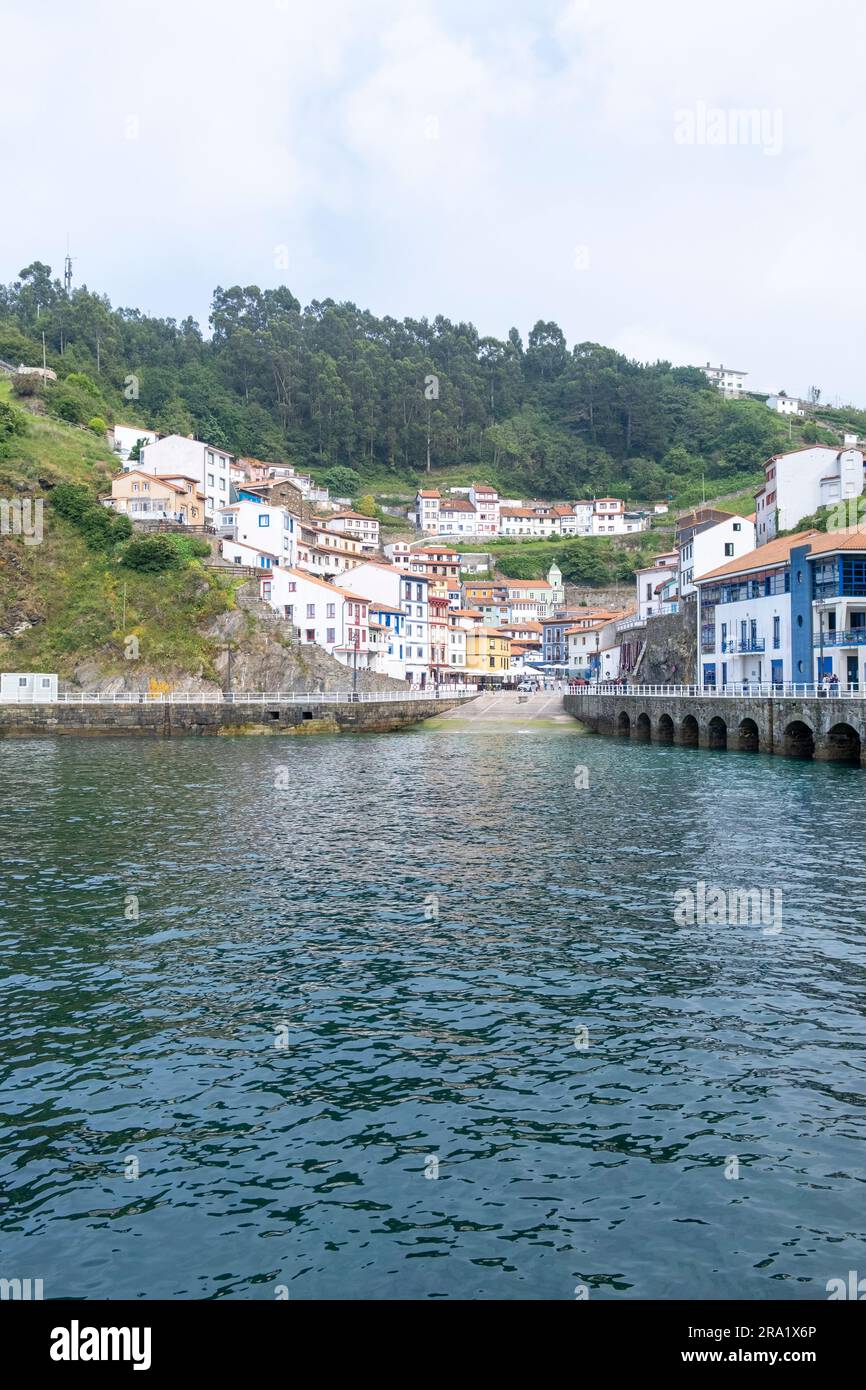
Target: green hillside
{"x": 333, "y": 387}
{"x": 67, "y": 599}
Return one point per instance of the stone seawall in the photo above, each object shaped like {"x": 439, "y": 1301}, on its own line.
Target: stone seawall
{"x": 827, "y": 729}
{"x": 212, "y": 719}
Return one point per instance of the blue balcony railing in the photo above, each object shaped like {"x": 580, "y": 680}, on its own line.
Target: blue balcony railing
{"x": 751, "y": 644}
{"x": 842, "y": 637}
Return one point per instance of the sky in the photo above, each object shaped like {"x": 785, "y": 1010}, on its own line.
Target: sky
{"x": 672, "y": 179}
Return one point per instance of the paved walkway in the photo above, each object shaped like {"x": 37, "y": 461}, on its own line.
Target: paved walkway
{"x": 509, "y": 707}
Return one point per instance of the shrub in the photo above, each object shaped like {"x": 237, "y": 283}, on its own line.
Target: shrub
{"x": 12, "y": 424}
{"x": 151, "y": 554}
{"x": 99, "y": 526}
{"x": 97, "y": 424}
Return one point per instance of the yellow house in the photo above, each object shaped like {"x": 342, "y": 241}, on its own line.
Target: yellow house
{"x": 488, "y": 653}
{"x": 144, "y": 497}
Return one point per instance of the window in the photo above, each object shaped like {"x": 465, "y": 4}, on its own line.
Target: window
{"x": 22, "y": 680}
{"x": 331, "y": 635}
{"x": 738, "y": 526}
{"x": 729, "y": 547}
{"x": 264, "y": 521}
{"x": 311, "y": 610}
{"x": 266, "y": 588}
{"x": 777, "y": 633}
{"x": 330, "y": 611}
{"x": 292, "y": 586}
{"x": 210, "y": 479}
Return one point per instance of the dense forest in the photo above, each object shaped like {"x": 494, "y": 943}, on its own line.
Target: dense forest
{"x": 332, "y": 386}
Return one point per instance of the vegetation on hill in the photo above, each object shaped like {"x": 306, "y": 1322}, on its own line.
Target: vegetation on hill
{"x": 371, "y": 403}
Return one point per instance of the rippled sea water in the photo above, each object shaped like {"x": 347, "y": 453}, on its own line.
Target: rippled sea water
{"x": 286, "y": 1039}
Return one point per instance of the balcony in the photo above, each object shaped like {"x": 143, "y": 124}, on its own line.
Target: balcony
{"x": 743, "y": 648}
{"x": 842, "y": 637}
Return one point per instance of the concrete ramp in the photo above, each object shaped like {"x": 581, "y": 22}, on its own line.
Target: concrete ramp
{"x": 507, "y": 707}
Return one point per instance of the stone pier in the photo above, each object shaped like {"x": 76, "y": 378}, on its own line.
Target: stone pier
{"x": 833, "y": 730}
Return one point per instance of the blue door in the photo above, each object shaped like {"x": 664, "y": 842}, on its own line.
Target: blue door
{"x": 776, "y": 672}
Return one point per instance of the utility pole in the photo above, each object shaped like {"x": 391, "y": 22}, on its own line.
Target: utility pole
{"x": 43, "y": 351}
{"x": 123, "y": 618}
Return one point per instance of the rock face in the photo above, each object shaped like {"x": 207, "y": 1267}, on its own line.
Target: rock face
{"x": 263, "y": 656}
{"x": 670, "y": 657}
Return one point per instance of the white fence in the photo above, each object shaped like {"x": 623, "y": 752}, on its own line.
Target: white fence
{"x": 740, "y": 690}
{"x": 246, "y": 697}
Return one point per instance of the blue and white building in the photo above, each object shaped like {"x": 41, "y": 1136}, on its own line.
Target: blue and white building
{"x": 791, "y": 612}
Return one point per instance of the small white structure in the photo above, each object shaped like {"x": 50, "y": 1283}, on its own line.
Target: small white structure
{"x": 785, "y": 405}
{"x": 28, "y": 685}
{"x": 44, "y": 372}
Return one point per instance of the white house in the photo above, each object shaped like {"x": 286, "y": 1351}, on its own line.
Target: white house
{"x": 485, "y": 500}
{"x": 321, "y": 614}
{"x": 729, "y": 381}
{"x": 650, "y": 581}
{"x": 409, "y": 592}
{"x": 257, "y": 527}
{"x": 355, "y": 524}
{"x": 123, "y": 439}
{"x": 710, "y": 543}
{"x": 209, "y": 466}
{"x": 785, "y": 405}
{"x": 798, "y": 483}
{"x": 427, "y": 503}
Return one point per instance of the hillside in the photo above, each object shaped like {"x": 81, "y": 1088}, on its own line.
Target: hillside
{"x": 71, "y": 604}
{"x": 332, "y": 388}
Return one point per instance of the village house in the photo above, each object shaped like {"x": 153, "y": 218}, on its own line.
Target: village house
{"x": 321, "y": 614}
{"x": 255, "y": 527}
{"x": 144, "y": 497}
{"x": 650, "y": 581}
{"x": 361, "y": 528}
{"x": 798, "y": 483}
{"x": 790, "y": 611}
{"x": 409, "y": 592}
{"x": 705, "y": 540}
{"x": 488, "y": 655}
{"x": 207, "y": 465}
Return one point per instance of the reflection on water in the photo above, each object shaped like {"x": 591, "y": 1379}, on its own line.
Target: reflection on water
{"x": 280, "y": 1006}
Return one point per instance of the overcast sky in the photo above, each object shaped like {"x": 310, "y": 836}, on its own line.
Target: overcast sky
{"x": 494, "y": 160}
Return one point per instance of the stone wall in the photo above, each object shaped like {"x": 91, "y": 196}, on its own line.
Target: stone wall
{"x": 213, "y": 719}
{"x": 827, "y": 729}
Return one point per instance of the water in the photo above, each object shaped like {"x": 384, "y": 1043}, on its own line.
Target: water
{"x": 412, "y": 1041}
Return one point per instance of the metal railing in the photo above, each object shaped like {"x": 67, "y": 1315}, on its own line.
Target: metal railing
{"x": 841, "y": 637}
{"x": 243, "y": 697}
{"x": 736, "y": 690}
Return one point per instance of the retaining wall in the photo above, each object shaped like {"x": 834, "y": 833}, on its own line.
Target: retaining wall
{"x": 167, "y": 720}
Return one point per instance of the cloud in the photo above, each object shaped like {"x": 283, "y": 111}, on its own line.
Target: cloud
{"x": 422, "y": 158}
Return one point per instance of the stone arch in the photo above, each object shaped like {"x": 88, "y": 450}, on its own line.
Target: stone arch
{"x": 665, "y": 729}
{"x": 643, "y": 728}
{"x": 841, "y": 744}
{"x": 748, "y": 735}
{"x": 623, "y": 723}
{"x": 689, "y": 732}
{"x": 717, "y": 732}
{"x": 799, "y": 741}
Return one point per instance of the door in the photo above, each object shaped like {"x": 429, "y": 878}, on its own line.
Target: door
{"x": 851, "y": 673}
{"x": 776, "y": 672}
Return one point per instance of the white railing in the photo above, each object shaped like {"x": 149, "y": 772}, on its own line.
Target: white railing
{"x": 244, "y": 697}
{"x": 739, "y": 690}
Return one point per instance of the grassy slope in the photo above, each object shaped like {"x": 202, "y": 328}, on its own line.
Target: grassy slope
{"x": 74, "y": 596}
